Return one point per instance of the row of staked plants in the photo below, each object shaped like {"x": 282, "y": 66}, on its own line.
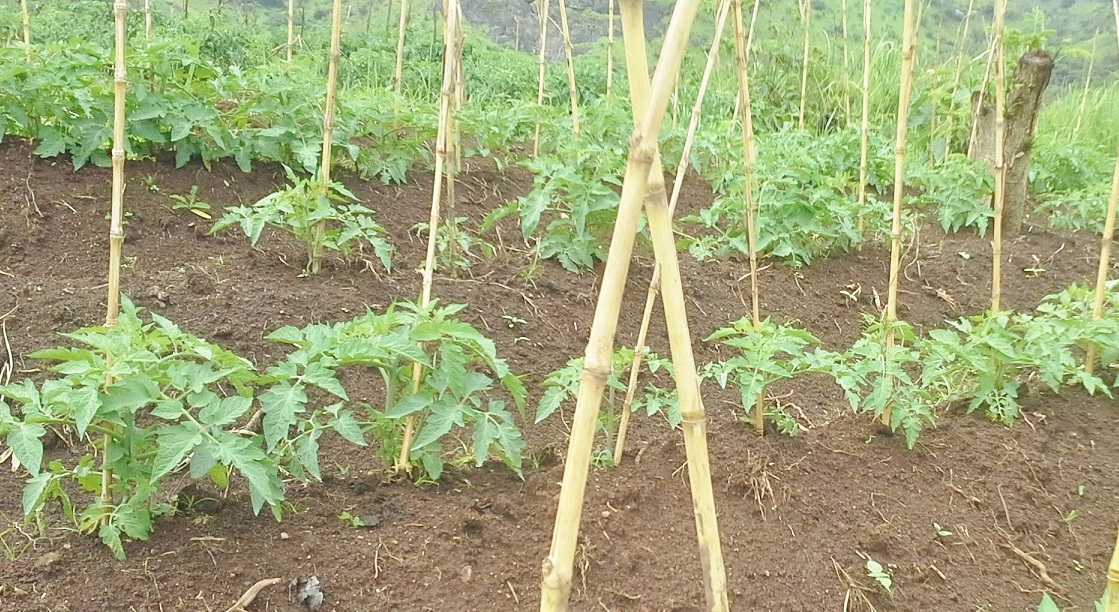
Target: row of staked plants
{"x": 146, "y": 402}
{"x": 214, "y": 87}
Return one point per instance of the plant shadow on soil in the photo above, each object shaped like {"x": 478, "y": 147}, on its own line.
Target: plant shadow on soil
{"x": 797, "y": 516}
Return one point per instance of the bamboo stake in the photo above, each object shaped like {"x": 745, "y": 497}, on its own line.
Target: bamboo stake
{"x": 1087, "y": 85}
{"x": 398, "y": 74}
{"x": 864, "y": 132}
{"x": 542, "y": 8}
{"x": 147, "y": 20}
{"x": 1112, "y": 592}
{"x": 26, "y": 19}
{"x": 610, "y": 49}
{"x": 116, "y": 214}
{"x": 654, "y": 282}
{"x": 567, "y": 50}
{"x": 748, "y": 157}
{"x": 1000, "y": 154}
{"x": 643, "y": 158}
{"x": 291, "y": 28}
{"x": 327, "y": 129}
{"x": 749, "y": 47}
{"x": 1105, "y": 264}
{"x": 846, "y": 69}
{"x": 905, "y": 90}
{"x": 962, "y": 46}
{"x": 806, "y": 18}
{"x": 451, "y": 51}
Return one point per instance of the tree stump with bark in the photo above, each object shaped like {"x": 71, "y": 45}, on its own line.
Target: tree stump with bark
{"x": 1023, "y": 105}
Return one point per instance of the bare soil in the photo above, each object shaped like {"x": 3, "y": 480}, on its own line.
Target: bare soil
{"x": 797, "y": 516}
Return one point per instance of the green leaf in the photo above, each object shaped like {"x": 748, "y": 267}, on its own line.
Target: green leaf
{"x": 281, "y": 403}
{"x": 346, "y": 425}
{"x": 33, "y": 491}
{"x": 409, "y": 404}
{"x": 438, "y": 424}
{"x": 228, "y": 410}
{"x": 173, "y": 444}
{"x": 27, "y": 446}
{"x": 324, "y": 378}
{"x": 83, "y": 404}
{"x": 110, "y": 535}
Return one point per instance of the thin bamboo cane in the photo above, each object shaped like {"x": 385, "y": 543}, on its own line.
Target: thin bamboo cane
{"x": 116, "y": 214}
{"x": 557, "y": 567}
{"x": 572, "y": 91}
{"x": 748, "y": 157}
{"x": 1000, "y": 155}
{"x": 610, "y": 48}
{"x": 846, "y": 70}
{"x": 962, "y": 47}
{"x": 905, "y": 90}
{"x": 1087, "y": 86}
{"x": 398, "y": 73}
{"x": 26, "y": 19}
{"x": 291, "y": 27}
{"x": 451, "y": 54}
{"x": 1104, "y": 266}
{"x": 147, "y": 20}
{"x": 864, "y": 131}
{"x": 1112, "y": 592}
{"x": 542, "y": 8}
{"x": 749, "y": 47}
{"x": 806, "y": 18}
{"x": 654, "y": 282}
{"x": 327, "y": 129}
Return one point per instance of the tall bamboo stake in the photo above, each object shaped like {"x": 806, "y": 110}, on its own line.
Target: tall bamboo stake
{"x": 654, "y": 282}
{"x": 864, "y": 132}
{"x": 1105, "y": 264}
{"x": 147, "y": 20}
{"x": 451, "y": 54}
{"x": 962, "y": 51}
{"x": 1000, "y": 155}
{"x": 542, "y": 8}
{"x": 749, "y": 47}
{"x": 1112, "y": 592}
{"x": 26, "y": 18}
{"x": 1087, "y": 86}
{"x": 401, "y": 35}
{"x": 327, "y": 128}
{"x": 748, "y": 157}
{"x": 610, "y": 48}
{"x": 806, "y": 18}
{"x": 905, "y": 89}
{"x": 643, "y": 158}
{"x": 291, "y": 28}
{"x": 572, "y": 91}
{"x": 846, "y": 70}
{"x": 116, "y": 214}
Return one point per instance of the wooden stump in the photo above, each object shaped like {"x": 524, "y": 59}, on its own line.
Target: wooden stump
{"x": 1026, "y": 89}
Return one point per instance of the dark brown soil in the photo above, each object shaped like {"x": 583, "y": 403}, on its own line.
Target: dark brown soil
{"x": 795, "y": 514}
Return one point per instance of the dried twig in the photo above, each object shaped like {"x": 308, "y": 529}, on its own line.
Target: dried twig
{"x": 1039, "y": 567}
{"x": 251, "y": 594}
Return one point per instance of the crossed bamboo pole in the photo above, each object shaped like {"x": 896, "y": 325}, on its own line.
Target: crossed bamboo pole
{"x": 639, "y": 348}
{"x": 444, "y": 160}
{"x": 572, "y": 90}
{"x": 643, "y": 181}
{"x": 905, "y": 89}
{"x": 958, "y": 75}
